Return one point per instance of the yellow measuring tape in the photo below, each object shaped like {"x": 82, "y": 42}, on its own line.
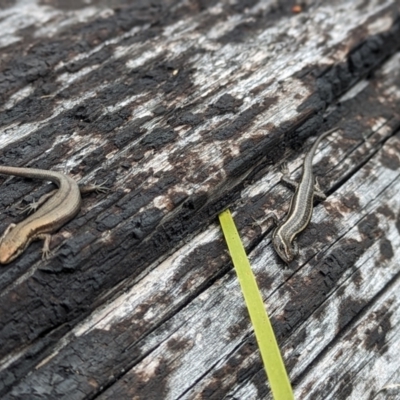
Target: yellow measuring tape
{"x": 270, "y": 354}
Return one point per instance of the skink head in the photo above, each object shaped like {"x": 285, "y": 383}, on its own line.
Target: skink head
{"x": 284, "y": 249}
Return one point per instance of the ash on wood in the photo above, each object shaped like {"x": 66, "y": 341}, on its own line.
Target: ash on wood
{"x": 187, "y": 107}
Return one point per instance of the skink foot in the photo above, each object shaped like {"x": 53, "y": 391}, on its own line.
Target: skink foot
{"x": 93, "y": 187}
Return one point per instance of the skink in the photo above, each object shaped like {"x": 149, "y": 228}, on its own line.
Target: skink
{"x": 60, "y": 206}
{"x": 301, "y": 207}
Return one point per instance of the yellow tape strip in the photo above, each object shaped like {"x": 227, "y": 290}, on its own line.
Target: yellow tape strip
{"x": 270, "y": 354}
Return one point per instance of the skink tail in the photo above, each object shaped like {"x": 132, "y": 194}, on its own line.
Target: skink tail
{"x": 310, "y": 155}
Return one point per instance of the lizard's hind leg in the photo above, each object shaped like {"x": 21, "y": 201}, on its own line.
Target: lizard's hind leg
{"x": 286, "y": 177}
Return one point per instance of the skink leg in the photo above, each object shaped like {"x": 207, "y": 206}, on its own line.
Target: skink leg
{"x": 272, "y": 216}
{"x": 32, "y": 207}
{"x": 93, "y": 187}
{"x": 318, "y": 193}
{"x": 295, "y": 249}
{"x": 6, "y": 232}
{"x": 46, "y": 252}
{"x": 286, "y": 177}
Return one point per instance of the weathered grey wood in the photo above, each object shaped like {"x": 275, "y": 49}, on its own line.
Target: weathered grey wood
{"x": 188, "y": 109}
{"x": 202, "y": 341}
{"x": 160, "y": 271}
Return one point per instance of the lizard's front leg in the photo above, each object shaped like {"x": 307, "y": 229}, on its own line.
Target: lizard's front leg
{"x": 46, "y": 252}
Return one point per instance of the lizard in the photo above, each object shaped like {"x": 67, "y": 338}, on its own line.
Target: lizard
{"x": 301, "y": 206}
{"x": 58, "y": 207}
